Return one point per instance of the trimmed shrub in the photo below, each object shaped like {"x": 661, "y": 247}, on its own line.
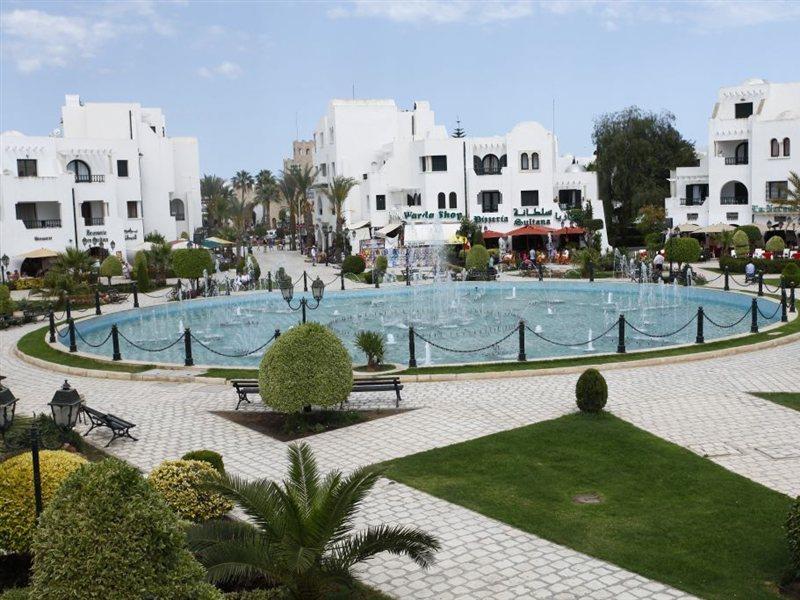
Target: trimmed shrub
{"x": 353, "y": 264}
{"x": 372, "y": 344}
{"x": 791, "y": 275}
{"x": 381, "y": 263}
{"x": 18, "y": 436}
{"x": 7, "y": 305}
{"x": 155, "y": 238}
{"x": 110, "y": 267}
{"x": 754, "y": 236}
{"x": 793, "y": 535}
{"x": 775, "y": 244}
{"x": 477, "y": 258}
{"x": 741, "y": 243}
{"x": 591, "y": 391}
{"x": 772, "y": 267}
{"x": 209, "y": 456}
{"x": 108, "y": 534}
{"x": 180, "y": 483}
{"x": 17, "y": 505}
{"x": 17, "y": 594}
{"x": 682, "y": 250}
{"x": 306, "y": 365}
{"x": 189, "y": 263}
{"x": 256, "y": 268}
{"x": 141, "y": 271}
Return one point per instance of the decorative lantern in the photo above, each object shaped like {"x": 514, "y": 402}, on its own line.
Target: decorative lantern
{"x": 7, "y": 405}
{"x": 317, "y": 289}
{"x": 66, "y": 404}
{"x": 287, "y": 290}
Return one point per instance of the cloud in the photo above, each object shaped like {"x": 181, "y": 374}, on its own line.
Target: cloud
{"x": 227, "y": 69}
{"x": 435, "y": 11}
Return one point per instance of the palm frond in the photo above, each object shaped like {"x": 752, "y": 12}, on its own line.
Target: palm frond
{"x": 408, "y": 541}
{"x": 303, "y": 474}
{"x": 260, "y": 500}
{"x": 333, "y": 520}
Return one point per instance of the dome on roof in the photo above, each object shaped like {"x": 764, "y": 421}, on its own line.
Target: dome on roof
{"x": 755, "y": 81}
{"x": 575, "y": 167}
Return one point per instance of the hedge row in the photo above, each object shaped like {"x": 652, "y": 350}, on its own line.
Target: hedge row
{"x": 773, "y": 267}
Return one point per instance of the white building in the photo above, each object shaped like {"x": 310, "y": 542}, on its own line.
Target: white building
{"x": 409, "y": 170}
{"x": 752, "y": 129}
{"x": 109, "y": 173}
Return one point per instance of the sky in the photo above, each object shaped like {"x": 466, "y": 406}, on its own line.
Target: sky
{"x": 246, "y": 78}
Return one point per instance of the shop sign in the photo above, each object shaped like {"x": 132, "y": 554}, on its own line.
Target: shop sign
{"x": 131, "y": 234}
{"x": 494, "y": 219}
{"x": 429, "y": 215}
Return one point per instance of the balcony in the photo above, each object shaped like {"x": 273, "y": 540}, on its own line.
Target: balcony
{"x": 42, "y": 223}
{"x": 692, "y": 201}
{"x": 94, "y": 221}
{"x": 732, "y": 200}
{"x": 85, "y": 178}
{"x": 735, "y": 160}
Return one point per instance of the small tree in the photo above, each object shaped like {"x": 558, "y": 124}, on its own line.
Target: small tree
{"x": 141, "y": 271}
{"x": 741, "y": 243}
{"x": 111, "y": 267}
{"x": 682, "y": 250}
{"x": 256, "y": 267}
{"x": 372, "y": 344}
{"x": 7, "y": 305}
{"x": 791, "y": 275}
{"x": 189, "y": 263}
{"x": 775, "y": 244}
{"x": 470, "y": 230}
{"x": 477, "y": 258}
{"x": 754, "y": 237}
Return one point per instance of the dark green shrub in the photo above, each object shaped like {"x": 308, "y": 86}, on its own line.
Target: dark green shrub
{"x": 16, "y": 594}
{"x": 276, "y": 593}
{"x": 591, "y": 391}
{"x": 477, "y": 258}
{"x": 366, "y": 276}
{"x": 256, "y": 267}
{"x": 110, "y": 267}
{"x": 741, "y": 243}
{"x": 189, "y": 263}
{"x": 155, "y": 238}
{"x": 107, "y": 534}
{"x": 141, "y": 271}
{"x": 791, "y": 275}
{"x": 793, "y": 535}
{"x": 18, "y": 435}
{"x": 754, "y": 236}
{"x": 306, "y": 365}
{"x": 209, "y": 456}
{"x": 381, "y": 263}
{"x": 353, "y": 264}
{"x": 7, "y": 305}
{"x": 772, "y": 267}
{"x": 682, "y": 250}
{"x": 775, "y": 244}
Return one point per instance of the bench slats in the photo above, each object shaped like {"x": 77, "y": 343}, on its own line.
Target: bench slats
{"x": 244, "y": 387}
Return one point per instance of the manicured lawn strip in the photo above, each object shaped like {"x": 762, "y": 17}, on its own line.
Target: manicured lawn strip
{"x": 667, "y": 514}
{"x": 34, "y": 344}
{"x": 232, "y": 373}
{"x": 788, "y": 328}
{"x": 788, "y": 399}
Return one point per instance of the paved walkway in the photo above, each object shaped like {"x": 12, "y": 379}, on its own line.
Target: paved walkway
{"x": 701, "y": 405}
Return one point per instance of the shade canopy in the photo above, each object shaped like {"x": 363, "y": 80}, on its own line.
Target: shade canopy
{"x": 388, "y": 230}
{"x": 39, "y": 253}
{"x": 215, "y": 242}
{"x": 687, "y": 228}
{"x": 570, "y": 231}
{"x": 359, "y": 225}
{"x": 491, "y": 235}
{"x": 715, "y": 228}
{"x": 146, "y": 246}
{"x": 530, "y": 230}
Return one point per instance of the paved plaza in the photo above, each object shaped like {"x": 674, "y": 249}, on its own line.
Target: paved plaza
{"x": 702, "y": 405}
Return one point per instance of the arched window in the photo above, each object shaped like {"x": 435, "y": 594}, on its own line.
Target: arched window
{"x": 786, "y": 147}
{"x": 441, "y": 199}
{"x": 491, "y": 164}
{"x": 741, "y": 154}
{"x": 523, "y": 161}
{"x": 774, "y": 148}
{"x": 535, "y": 161}
{"x": 176, "y": 209}
{"x": 453, "y": 200}
{"x": 80, "y": 169}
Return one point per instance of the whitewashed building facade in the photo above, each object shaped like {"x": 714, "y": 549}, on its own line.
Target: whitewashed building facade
{"x": 753, "y": 144}
{"x": 108, "y": 173}
{"x": 409, "y": 170}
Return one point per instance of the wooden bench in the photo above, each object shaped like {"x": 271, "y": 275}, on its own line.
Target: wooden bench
{"x": 119, "y": 427}
{"x": 244, "y": 387}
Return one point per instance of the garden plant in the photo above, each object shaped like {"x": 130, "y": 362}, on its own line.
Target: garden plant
{"x": 180, "y": 484}
{"x": 591, "y": 391}
{"x": 373, "y": 344}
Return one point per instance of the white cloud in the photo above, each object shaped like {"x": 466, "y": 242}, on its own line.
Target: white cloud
{"x": 227, "y": 69}
{"x": 435, "y": 11}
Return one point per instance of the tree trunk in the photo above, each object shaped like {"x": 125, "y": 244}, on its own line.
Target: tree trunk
{"x": 292, "y": 228}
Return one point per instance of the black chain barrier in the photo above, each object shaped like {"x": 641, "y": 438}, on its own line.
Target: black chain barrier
{"x": 713, "y": 322}
{"x": 662, "y": 335}
{"x": 242, "y": 355}
{"x": 460, "y": 351}
{"x": 715, "y": 278}
{"x": 135, "y": 345}
{"x": 773, "y": 314}
{"x": 581, "y": 343}
{"x": 334, "y": 280}
{"x": 746, "y": 284}
{"x": 65, "y": 330}
{"x": 88, "y": 343}
{"x": 772, "y": 290}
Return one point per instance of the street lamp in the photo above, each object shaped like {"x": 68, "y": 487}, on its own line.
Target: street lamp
{"x": 65, "y": 405}
{"x": 5, "y": 260}
{"x": 317, "y": 291}
{"x": 113, "y": 245}
{"x": 8, "y": 403}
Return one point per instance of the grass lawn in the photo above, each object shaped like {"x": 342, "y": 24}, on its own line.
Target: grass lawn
{"x": 232, "y": 373}
{"x": 34, "y": 344}
{"x": 667, "y": 513}
{"x": 790, "y": 399}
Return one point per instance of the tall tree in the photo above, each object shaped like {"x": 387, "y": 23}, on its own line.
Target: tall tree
{"x": 288, "y": 191}
{"x": 303, "y": 178}
{"x": 266, "y": 189}
{"x": 636, "y": 150}
{"x": 242, "y": 207}
{"x": 337, "y": 191}
{"x": 216, "y": 198}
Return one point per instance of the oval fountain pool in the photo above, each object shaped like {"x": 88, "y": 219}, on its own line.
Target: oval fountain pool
{"x": 450, "y": 319}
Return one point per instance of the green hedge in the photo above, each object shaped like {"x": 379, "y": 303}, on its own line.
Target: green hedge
{"x": 209, "y": 456}
{"x": 477, "y": 258}
{"x": 591, "y": 391}
{"x": 793, "y": 535}
{"x": 190, "y": 263}
{"x": 773, "y": 267}
{"x": 353, "y": 264}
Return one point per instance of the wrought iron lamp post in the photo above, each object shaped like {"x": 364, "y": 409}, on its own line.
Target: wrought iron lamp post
{"x": 4, "y": 260}
{"x": 317, "y": 291}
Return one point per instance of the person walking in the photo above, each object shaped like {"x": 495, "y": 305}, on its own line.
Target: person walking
{"x": 314, "y": 256}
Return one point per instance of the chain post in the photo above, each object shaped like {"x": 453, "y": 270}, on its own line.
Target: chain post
{"x": 52, "y": 324}
{"x": 135, "y": 287}
{"x": 73, "y": 346}
{"x": 187, "y": 348}
{"x": 412, "y": 357}
{"x": 754, "y": 316}
{"x": 621, "y": 335}
{"x": 727, "y": 287}
{"x": 115, "y": 355}
{"x": 97, "y": 310}
{"x": 521, "y": 356}
{"x": 700, "y": 339}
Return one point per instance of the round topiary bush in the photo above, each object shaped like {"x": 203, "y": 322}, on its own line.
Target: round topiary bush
{"x": 791, "y": 275}
{"x": 141, "y": 271}
{"x": 108, "y": 534}
{"x": 381, "y": 263}
{"x": 741, "y": 243}
{"x": 478, "y": 258}
{"x": 209, "y": 456}
{"x": 591, "y": 391}
{"x": 111, "y": 267}
{"x": 7, "y": 305}
{"x": 353, "y": 264}
{"x": 17, "y": 505}
{"x": 189, "y": 263}
{"x": 306, "y": 365}
{"x": 793, "y": 534}
{"x": 775, "y": 244}
{"x": 180, "y": 483}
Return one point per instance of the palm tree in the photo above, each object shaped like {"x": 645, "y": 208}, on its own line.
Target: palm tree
{"x": 265, "y": 191}
{"x": 77, "y": 263}
{"x": 337, "y": 191}
{"x": 303, "y": 178}
{"x": 288, "y": 191}
{"x": 216, "y": 197}
{"x": 241, "y": 208}
{"x": 301, "y": 533}
{"x": 792, "y": 200}
{"x": 160, "y": 257}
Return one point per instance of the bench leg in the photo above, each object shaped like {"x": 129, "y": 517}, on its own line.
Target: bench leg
{"x": 242, "y": 398}
{"x": 90, "y": 429}
{"x": 397, "y": 391}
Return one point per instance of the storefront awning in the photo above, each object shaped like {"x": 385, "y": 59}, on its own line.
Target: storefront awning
{"x": 388, "y": 230}
{"x": 39, "y": 253}
{"x": 530, "y": 230}
{"x": 715, "y": 228}
{"x": 687, "y": 228}
{"x": 492, "y": 235}
{"x": 359, "y": 225}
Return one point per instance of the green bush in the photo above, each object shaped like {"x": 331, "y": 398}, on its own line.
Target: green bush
{"x": 7, "y": 305}
{"x": 110, "y": 267}
{"x": 477, "y": 258}
{"x": 775, "y": 244}
{"x": 772, "y": 267}
{"x": 591, "y": 391}
{"x": 306, "y": 365}
{"x": 381, "y": 263}
{"x": 18, "y": 436}
{"x": 793, "y": 535}
{"x": 189, "y": 263}
{"x": 372, "y": 344}
{"x": 181, "y": 484}
{"x": 741, "y": 243}
{"x": 209, "y": 456}
{"x": 155, "y": 238}
{"x": 276, "y": 593}
{"x": 256, "y": 267}
{"x": 141, "y": 271}
{"x": 791, "y": 275}
{"x": 353, "y": 264}
{"x": 16, "y": 594}
{"x": 754, "y": 236}
{"x": 108, "y": 534}
{"x": 682, "y": 250}
{"x": 17, "y": 506}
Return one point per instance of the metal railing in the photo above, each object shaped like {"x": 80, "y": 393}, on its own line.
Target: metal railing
{"x": 735, "y": 160}
{"x": 693, "y": 201}
{"x": 92, "y": 221}
{"x": 731, "y": 200}
{"x": 42, "y": 223}
{"x": 82, "y": 178}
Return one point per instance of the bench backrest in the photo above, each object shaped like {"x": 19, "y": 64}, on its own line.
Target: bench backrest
{"x": 116, "y": 421}
{"x": 374, "y": 380}
{"x": 94, "y": 413}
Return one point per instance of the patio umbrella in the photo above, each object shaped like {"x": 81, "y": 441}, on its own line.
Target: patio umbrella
{"x": 146, "y": 246}
{"x": 715, "y": 228}
{"x": 219, "y": 241}
{"x": 457, "y": 239}
{"x": 687, "y": 228}
{"x": 570, "y": 231}
{"x": 530, "y": 230}
{"x": 39, "y": 253}
{"x": 491, "y": 235}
